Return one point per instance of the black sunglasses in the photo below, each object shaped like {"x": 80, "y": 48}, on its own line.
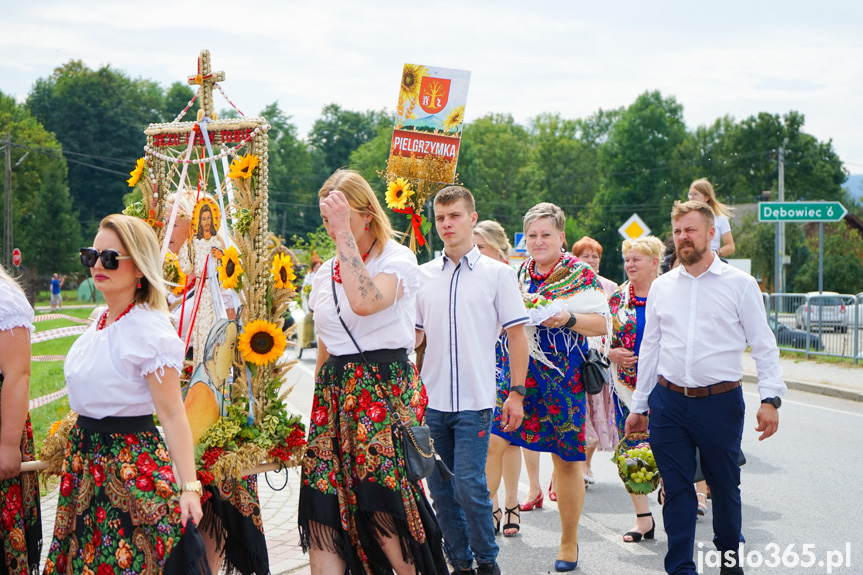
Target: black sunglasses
{"x": 110, "y": 258}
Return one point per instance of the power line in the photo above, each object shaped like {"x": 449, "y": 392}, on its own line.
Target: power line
{"x": 52, "y": 154}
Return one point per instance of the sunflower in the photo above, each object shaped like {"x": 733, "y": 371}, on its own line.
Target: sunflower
{"x": 261, "y": 342}
{"x": 174, "y": 274}
{"x": 242, "y": 166}
{"x": 230, "y": 269}
{"x": 283, "y": 272}
{"x": 398, "y": 193}
{"x": 140, "y": 166}
{"x": 412, "y": 77}
{"x": 454, "y": 119}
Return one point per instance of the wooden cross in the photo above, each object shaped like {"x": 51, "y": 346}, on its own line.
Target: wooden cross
{"x": 206, "y": 78}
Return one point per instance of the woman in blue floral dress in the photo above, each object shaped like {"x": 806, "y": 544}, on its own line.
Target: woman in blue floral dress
{"x": 641, "y": 261}
{"x": 554, "y": 408}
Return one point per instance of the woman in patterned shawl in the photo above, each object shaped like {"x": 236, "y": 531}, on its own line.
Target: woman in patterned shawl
{"x": 554, "y": 408}
{"x": 641, "y": 257}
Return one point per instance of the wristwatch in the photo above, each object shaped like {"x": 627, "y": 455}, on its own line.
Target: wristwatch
{"x": 519, "y": 388}
{"x": 774, "y": 401}
{"x": 193, "y": 486}
{"x": 571, "y": 322}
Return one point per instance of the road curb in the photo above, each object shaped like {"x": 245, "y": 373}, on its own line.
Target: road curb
{"x": 812, "y": 387}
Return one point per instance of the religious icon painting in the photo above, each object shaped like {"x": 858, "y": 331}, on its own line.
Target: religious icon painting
{"x": 206, "y": 219}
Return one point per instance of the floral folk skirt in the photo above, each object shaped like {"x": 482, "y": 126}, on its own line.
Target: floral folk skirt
{"x": 554, "y": 407}
{"x": 118, "y": 509}
{"x": 354, "y": 484}
{"x": 20, "y": 518}
{"x": 232, "y": 517}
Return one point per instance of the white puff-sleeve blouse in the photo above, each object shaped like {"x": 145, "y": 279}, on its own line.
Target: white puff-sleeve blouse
{"x": 105, "y": 370}
{"x": 15, "y": 310}
{"x": 390, "y": 328}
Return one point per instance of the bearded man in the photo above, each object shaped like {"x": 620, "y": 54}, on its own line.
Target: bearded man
{"x": 699, "y": 318}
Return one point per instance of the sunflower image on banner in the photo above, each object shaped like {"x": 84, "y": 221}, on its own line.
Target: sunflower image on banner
{"x": 426, "y": 140}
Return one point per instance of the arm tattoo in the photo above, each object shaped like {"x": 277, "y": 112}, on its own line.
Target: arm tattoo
{"x": 356, "y": 264}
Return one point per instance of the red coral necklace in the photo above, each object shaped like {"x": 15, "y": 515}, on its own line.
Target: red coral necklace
{"x": 104, "y": 317}
{"x": 634, "y": 301}
{"x": 337, "y": 276}
{"x": 537, "y": 277}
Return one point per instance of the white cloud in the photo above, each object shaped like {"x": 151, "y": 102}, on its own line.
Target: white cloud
{"x": 737, "y": 58}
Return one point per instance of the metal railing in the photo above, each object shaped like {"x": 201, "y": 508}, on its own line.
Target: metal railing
{"x": 826, "y": 324}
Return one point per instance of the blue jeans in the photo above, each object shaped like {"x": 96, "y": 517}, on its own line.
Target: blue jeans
{"x": 463, "y": 504}
{"x": 679, "y": 424}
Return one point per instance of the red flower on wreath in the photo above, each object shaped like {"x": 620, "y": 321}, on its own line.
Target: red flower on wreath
{"x": 319, "y": 416}
{"x": 66, "y": 485}
{"x": 365, "y": 399}
{"x": 377, "y": 412}
{"x": 144, "y": 483}
{"x": 100, "y": 514}
{"x": 146, "y": 463}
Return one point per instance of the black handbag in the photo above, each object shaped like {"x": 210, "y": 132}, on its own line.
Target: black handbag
{"x": 594, "y": 371}
{"x": 416, "y": 441}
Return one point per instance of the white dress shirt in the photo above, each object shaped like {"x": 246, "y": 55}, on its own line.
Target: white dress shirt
{"x": 462, "y": 307}
{"x": 106, "y": 369}
{"x": 697, "y": 328}
{"x": 390, "y": 328}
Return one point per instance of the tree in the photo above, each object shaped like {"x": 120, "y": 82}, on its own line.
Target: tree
{"x": 177, "y": 97}
{"x": 640, "y": 165}
{"x": 843, "y": 260}
{"x": 100, "y": 113}
{"x": 494, "y": 164}
{"x": 45, "y": 226}
{"x": 293, "y": 189}
{"x": 339, "y": 132}
{"x": 370, "y": 159}
{"x": 563, "y": 166}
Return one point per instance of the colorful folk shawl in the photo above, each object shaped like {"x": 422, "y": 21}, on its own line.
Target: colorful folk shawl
{"x": 624, "y": 326}
{"x": 573, "y": 282}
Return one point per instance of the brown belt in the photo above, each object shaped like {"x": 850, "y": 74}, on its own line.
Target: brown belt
{"x": 714, "y": 389}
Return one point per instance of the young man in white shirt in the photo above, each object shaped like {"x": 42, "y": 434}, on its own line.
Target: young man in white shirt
{"x": 699, "y": 318}
{"x": 464, "y": 301}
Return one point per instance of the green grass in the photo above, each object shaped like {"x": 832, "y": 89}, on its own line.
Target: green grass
{"x": 801, "y": 356}
{"x": 70, "y": 296}
{"x": 47, "y": 376}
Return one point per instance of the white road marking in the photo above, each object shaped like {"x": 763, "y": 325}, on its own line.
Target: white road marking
{"x": 809, "y": 405}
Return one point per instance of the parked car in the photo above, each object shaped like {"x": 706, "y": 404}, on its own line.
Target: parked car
{"x": 787, "y": 337}
{"x": 823, "y": 310}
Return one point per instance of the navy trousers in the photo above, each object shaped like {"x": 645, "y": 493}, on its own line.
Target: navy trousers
{"x": 714, "y": 424}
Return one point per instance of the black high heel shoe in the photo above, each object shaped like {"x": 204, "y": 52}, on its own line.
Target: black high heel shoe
{"x": 497, "y": 515}
{"x": 510, "y": 511}
{"x": 635, "y": 536}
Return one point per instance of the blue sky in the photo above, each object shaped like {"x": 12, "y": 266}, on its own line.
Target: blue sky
{"x": 572, "y": 57}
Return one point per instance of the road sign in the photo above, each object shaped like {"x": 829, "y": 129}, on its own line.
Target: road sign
{"x": 801, "y": 211}
{"x": 633, "y": 228}
{"x": 16, "y": 257}
{"x": 520, "y": 246}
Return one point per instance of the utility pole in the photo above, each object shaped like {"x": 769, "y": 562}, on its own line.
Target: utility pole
{"x": 780, "y": 226}
{"x": 7, "y": 218}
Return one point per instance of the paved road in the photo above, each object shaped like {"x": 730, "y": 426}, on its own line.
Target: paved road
{"x": 800, "y": 487}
